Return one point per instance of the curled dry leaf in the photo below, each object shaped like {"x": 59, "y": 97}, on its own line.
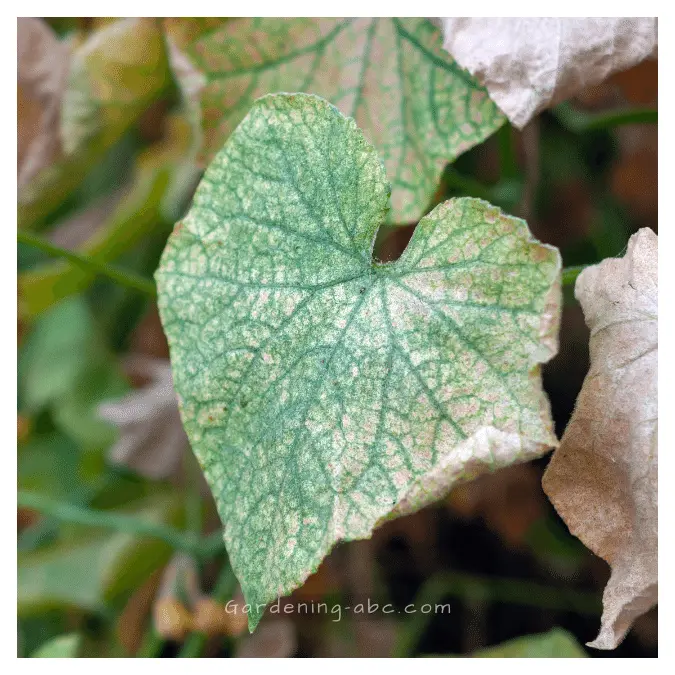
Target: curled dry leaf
{"x": 191, "y": 83}
{"x": 131, "y": 623}
{"x": 214, "y": 618}
{"x": 529, "y": 64}
{"x": 180, "y": 606}
{"x": 603, "y": 478}
{"x": 171, "y": 619}
{"x": 152, "y": 440}
{"x": 42, "y": 65}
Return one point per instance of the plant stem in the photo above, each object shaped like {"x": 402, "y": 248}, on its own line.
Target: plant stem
{"x": 492, "y": 589}
{"x": 193, "y": 496}
{"x": 570, "y": 274}
{"x": 580, "y": 121}
{"x": 222, "y": 591}
{"x": 203, "y": 547}
{"x": 508, "y": 161}
{"x": 121, "y": 276}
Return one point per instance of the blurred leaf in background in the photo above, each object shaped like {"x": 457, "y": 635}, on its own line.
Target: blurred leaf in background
{"x": 90, "y": 570}
{"x": 62, "y": 647}
{"x": 556, "y": 644}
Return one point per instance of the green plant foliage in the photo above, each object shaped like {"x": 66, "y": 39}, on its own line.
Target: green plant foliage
{"x": 162, "y": 179}
{"x": 91, "y": 568}
{"x": 61, "y": 647}
{"x": 323, "y": 392}
{"x": 556, "y": 644}
{"x": 413, "y": 102}
{"x": 55, "y": 354}
{"x": 49, "y": 464}
{"x": 64, "y": 367}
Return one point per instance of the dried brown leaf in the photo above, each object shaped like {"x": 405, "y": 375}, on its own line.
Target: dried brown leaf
{"x": 171, "y": 619}
{"x": 213, "y": 618}
{"x": 152, "y": 440}
{"x": 603, "y": 478}
{"x": 42, "y": 65}
{"x": 528, "y": 64}
{"x": 179, "y": 586}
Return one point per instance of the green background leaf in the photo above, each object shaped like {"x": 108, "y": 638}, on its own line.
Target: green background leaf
{"x": 322, "y": 392}
{"x": 61, "y": 647}
{"x": 66, "y": 368}
{"x": 87, "y": 569}
{"x": 556, "y": 644}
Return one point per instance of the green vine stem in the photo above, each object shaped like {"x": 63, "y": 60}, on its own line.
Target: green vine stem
{"x": 570, "y": 274}
{"x": 117, "y": 274}
{"x": 579, "y": 121}
{"x": 200, "y": 547}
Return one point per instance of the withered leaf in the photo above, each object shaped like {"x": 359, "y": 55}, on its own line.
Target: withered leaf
{"x": 531, "y": 63}
{"x": 152, "y": 440}
{"x": 42, "y": 65}
{"x": 603, "y": 478}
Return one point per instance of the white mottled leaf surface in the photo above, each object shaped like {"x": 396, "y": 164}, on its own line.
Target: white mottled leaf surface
{"x": 323, "y": 392}
{"x": 412, "y": 101}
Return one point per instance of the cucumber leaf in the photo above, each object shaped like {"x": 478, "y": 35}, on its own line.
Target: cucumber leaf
{"x": 323, "y": 392}
{"x": 414, "y": 103}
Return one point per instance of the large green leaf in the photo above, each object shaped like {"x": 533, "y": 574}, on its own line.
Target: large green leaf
{"x": 414, "y": 103}
{"x": 323, "y": 392}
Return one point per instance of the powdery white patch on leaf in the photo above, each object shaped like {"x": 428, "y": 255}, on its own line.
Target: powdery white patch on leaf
{"x": 322, "y": 392}
{"x": 603, "y": 478}
{"x": 528, "y": 64}
{"x": 42, "y": 66}
{"x": 413, "y": 102}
